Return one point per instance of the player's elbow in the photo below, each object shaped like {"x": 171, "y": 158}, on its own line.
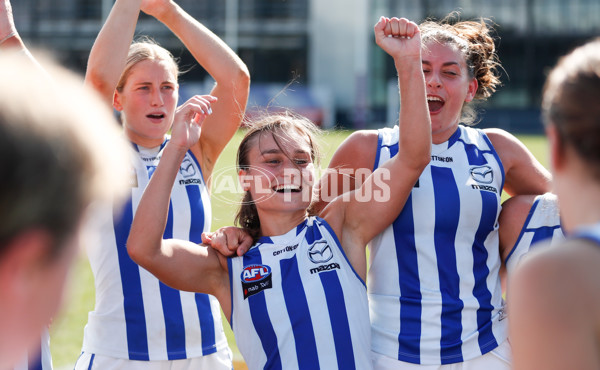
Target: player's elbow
{"x": 137, "y": 252}
{"x": 419, "y": 159}
{"x": 240, "y": 80}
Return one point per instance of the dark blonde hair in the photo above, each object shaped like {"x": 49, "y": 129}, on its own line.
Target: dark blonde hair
{"x": 570, "y": 102}
{"x": 276, "y": 125}
{"x": 145, "y": 49}
{"x": 475, "y": 42}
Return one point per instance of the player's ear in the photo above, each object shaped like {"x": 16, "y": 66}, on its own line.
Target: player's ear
{"x": 556, "y": 148}
{"x": 117, "y": 101}
{"x": 472, "y": 90}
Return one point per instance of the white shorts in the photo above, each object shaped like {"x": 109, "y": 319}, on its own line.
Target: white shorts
{"x": 497, "y": 359}
{"x": 220, "y": 360}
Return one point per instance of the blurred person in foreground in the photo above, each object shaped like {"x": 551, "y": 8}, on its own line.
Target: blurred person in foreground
{"x": 59, "y": 160}
{"x": 554, "y": 294}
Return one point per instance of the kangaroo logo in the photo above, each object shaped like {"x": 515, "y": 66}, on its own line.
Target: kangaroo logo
{"x": 482, "y": 174}
{"x": 320, "y": 252}
{"x": 187, "y": 168}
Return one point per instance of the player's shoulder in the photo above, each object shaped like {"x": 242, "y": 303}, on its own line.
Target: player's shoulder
{"x": 518, "y": 205}
{"x": 357, "y": 150}
{"x": 362, "y": 139}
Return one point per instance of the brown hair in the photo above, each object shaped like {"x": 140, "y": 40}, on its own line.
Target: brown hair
{"x": 60, "y": 151}
{"x": 276, "y": 125}
{"x": 570, "y": 102}
{"x": 474, "y": 40}
{"x": 145, "y": 49}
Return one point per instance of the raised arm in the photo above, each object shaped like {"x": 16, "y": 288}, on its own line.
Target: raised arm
{"x": 9, "y": 37}
{"x": 109, "y": 53}
{"x": 226, "y": 68}
{"x": 379, "y": 200}
{"x": 178, "y": 263}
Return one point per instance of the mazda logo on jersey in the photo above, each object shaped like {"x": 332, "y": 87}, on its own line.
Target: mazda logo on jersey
{"x": 320, "y": 252}
{"x": 187, "y": 168}
{"x": 255, "y": 279}
{"x": 482, "y": 174}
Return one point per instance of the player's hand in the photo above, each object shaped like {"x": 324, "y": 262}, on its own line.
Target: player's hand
{"x": 229, "y": 241}
{"x": 7, "y": 25}
{"x": 156, "y": 8}
{"x": 189, "y": 118}
{"x": 398, "y": 37}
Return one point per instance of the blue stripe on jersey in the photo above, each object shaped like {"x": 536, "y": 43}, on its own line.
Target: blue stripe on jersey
{"x": 336, "y": 307}
{"x": 197, "y": 164}
{"x": 230, "y": 273}
{"x": 481, "y": 272}
{"x": 300, "y": 227}
{"x": 489, "y": 210}
{"x": 410, "y": 287}
{"x": 91, "y": 361}
{"x": 408, "y": 277}
{"x": 261, "y": 320}
{"x": 543, "y": 233}
{"x": 207, "y": 324}
{"x": 493, "y": 151}
{"x": 313, "y": 233}
{"x": 455, "y": 136}
{"x": 531, "y": 213}
{"x": 447, "y": 214}
{"x": 196, "y": 214}
{"x": 135, "y": 319}
{"x": 36, "y": 362}
{"x": 172, "y": 309}
{"x": 299, "y": 313}
{"x": 378, "y": 152}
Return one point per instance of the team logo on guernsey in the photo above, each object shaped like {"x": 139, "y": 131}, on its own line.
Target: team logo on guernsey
{"x": 482, "y": 174}
{"x": 187, "y": 168}
{"x": 255, "y": 279}
{"x": 320, "y": 252}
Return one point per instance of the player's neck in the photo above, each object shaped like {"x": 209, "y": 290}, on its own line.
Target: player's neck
{"x": 279, "y": 223}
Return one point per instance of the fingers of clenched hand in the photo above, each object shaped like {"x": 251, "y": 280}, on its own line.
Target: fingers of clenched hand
{"x": 228, "y": 241}
{"x": 218, "y": 241}
{"x": 399, "y": 27}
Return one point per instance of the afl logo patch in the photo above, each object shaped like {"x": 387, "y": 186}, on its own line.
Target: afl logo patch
{"x": 255, "y": 279}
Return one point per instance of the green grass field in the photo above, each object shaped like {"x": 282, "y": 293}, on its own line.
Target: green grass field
{"x": 67, "y": 328}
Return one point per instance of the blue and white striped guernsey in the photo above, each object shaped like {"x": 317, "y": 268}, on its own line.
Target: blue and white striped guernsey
{"x": 297, "y": 303}
{"x": 40, "y": 359}
{"x": 434, "y": 289}
{"x": 136, "y": 316}
{"x": 543, "y": 223}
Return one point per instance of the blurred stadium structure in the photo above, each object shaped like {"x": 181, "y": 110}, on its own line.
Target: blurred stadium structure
{"x": 327, "y": 48}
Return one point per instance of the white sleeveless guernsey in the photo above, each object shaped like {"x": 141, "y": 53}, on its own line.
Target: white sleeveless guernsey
{"x": 136, "y": 316}
{"x": 434, "y": 289}
{"x": 543, "y": 223}
{"x": 297, "y": 303}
